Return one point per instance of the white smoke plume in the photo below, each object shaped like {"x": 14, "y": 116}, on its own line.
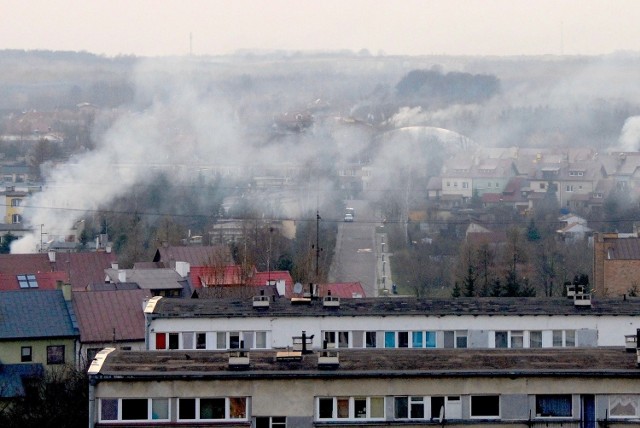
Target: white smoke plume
{"x": 630, "y": 136}
{"x": 180, "y": 127}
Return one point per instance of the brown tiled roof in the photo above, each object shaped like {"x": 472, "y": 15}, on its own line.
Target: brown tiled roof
{"x": 194, "y": 255}
{"x": 99, "y": 313}
{"x": 45, "y": 281}
{"x": 15, "y": 264}
{"x": 84, "y": 268}
{"x": 391, "y": 363}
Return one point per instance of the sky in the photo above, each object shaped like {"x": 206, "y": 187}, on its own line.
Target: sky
{"x": 391, "y": 27}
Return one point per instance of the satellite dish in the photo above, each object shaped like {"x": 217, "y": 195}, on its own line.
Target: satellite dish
{"x": 297, "y": 288}
{"x": 441, "y": 417}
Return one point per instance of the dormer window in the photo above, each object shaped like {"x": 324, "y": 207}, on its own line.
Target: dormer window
{"x": 27, "y": 281}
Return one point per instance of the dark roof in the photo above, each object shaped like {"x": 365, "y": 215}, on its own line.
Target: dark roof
{"x": 103, "y": 314}
{"x": 402, "y": 363}
{"x": 16, "y": 264}
{"x": 12, "y": 378}
{"x": 223, "y": 308}
{"x": 35, "y": 314}
{"x": 194, "y": 255}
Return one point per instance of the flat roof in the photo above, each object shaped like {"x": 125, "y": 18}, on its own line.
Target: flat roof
{"x": 388, "y": 306}
{"x": 403, "y": 363}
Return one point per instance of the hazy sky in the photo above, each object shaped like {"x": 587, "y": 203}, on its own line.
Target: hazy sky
{"x": 414, "y": 27}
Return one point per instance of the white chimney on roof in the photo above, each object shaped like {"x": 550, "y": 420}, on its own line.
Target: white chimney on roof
{"x": 52, "y": 256}
{"x": 122, "y": 275}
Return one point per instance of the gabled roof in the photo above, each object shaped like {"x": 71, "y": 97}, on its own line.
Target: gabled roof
{"x": 262, "y": 278}
{"x": 85, "y": 268}
{"x": 35, "y": 315}
{"x": 45, "y": 281}
{"x": 345, "y": 290}
{"x": 107, "y": 315}
{"x": 82, "y": 268}
{"x": 194, "y": 255}
{"x": 16, "y": 264}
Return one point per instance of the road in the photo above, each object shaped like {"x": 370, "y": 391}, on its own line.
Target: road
{"x": 357, "y": 255}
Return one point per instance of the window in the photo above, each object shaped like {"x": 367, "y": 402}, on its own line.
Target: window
{"x": 55, "y": 354}
{"x": 134, "y": 409}
{"x": 465, "y": 185}
{"x": 215, "y": 408}
{"x": 16, "y": 218}
{"x": 261, "y": 339}
{"x": 557, "y": 338}
{"x": 187, "y": 340}
{"x": 448, "y": 184}
{"x": 174, "y": 340}
{"x": 27, "y": 281}
{"x": 570, "y": 338}
{"x": 502, "y": 339}
{"x": 403, "y": 339}
{"x": 489, "y": 185}
{"x": 221, "y": 340}
{"x": 15, "y": 202}
{"x": 517, "y": 339}
{"x": 416, "y": 339}
{"x": 624, "y": 406}
{"x": 446, "y": 407}
{"x": 91, "y": 354}
{"x": 461, "y": 339}
{"x": 409, "y": 407}
{"x": 535, "y": 339}
{"x": 485, "y": 406}
{"x": 337, "y": 339}
{"x": 26, "y": 354}
{"x": 234, "y": 340}
{"x": 543, "y": 186}
{"x": 389, "y": 339}
{"x": 351, "y": 408}
{"x": 370, "y": 338}
{"x": 553, "y": 405}
{"x": 569, "y": 187}
{"x": 430, "y": 339}
{"x": 271, "y": 422}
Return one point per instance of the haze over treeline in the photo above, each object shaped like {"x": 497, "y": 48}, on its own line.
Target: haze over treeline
{"x": 261, "y": 110}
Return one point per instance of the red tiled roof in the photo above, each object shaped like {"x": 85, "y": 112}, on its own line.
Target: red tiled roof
{"x": 261, "y": 278}
{"x": 344, "y": 290}
{"x": 82, "y": 268}
{"x": 45, "y": 280}
{"x": 99, "y": 313}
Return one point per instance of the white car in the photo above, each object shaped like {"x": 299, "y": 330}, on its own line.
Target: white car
{"x": 348, "y": 217}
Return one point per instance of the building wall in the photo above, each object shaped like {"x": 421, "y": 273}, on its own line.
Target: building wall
{"x": 296, "y": 398}
{"x": 620, "y": 276}
{"x": 591, "y": 330}
{"x": 10, "y": 351}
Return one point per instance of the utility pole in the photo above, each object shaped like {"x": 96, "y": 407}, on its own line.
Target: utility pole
{"x": 41, "y": 235}
{"x": 317, "y": 244}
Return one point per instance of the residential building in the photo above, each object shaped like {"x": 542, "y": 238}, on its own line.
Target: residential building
{"x": 109, "y": 319}
{"x": 399, "y": 387}
{"x": 38, "y": 327}
{"x": 616, "y": 264}
{"x": 397, "y": 322}
{"x": 159, "y": 282}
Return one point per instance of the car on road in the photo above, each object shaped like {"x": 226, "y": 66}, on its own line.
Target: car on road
{"x": 348, "y": 218}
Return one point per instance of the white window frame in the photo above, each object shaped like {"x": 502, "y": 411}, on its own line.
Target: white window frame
{"x": 149, "y": 410}
{"x": 413, "y": 399}
{"x": 352, "y": 415}
{"x": 227, "y": 409}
